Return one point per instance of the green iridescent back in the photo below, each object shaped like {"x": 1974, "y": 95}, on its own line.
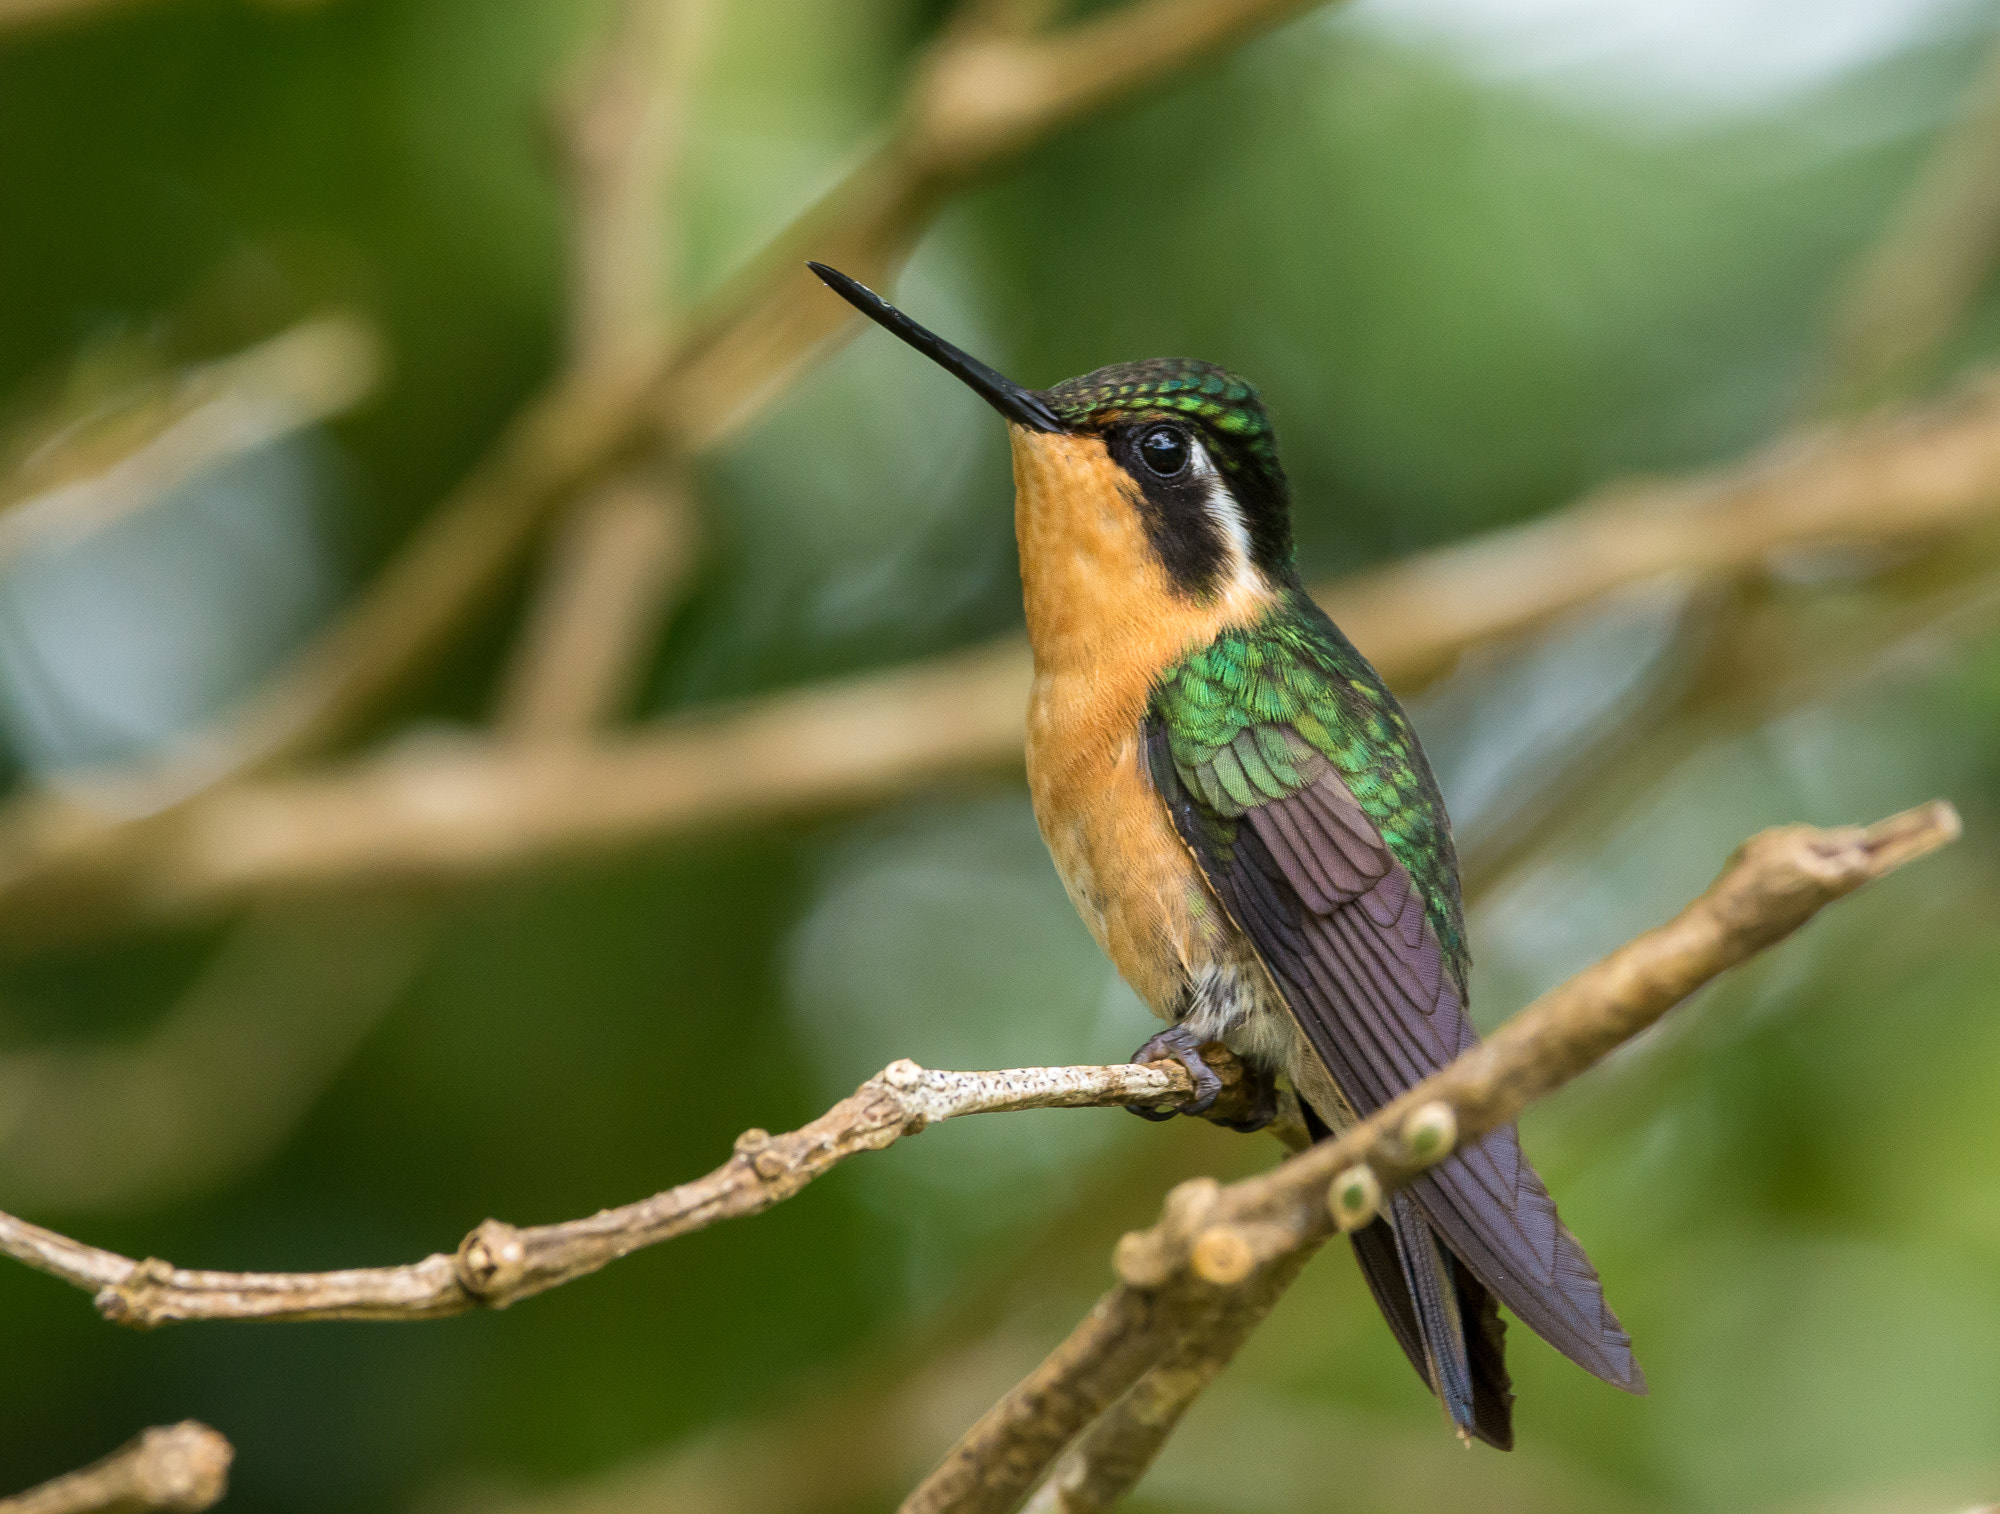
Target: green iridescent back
{"x": 1297, "y": 687}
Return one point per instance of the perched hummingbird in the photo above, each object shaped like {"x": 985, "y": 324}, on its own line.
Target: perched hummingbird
{"x": 1246, "y": 822}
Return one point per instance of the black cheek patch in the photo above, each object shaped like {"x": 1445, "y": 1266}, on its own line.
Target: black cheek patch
{"x": 1186, "y": 538}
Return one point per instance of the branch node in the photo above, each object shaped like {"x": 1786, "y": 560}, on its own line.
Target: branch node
{"x": 902, "y": 1075}
{"x": 760, "y": 1149}
{"x": 1354, "y": 1197}
{"x": 130, "y": 1302}
{"x": 1430, "y": 1133}
{"x": 184, "y": 1466}
{"x": 491, "y": 1261}
{"x": 907, "y": 1101}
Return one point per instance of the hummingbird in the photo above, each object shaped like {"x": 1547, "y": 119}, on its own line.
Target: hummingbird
{"x": 1246, "y": 821}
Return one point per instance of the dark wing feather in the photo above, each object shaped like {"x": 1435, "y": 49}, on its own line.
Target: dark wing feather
{"x": 1343, "y": 931}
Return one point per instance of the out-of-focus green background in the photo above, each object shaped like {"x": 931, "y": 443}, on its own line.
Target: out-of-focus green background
{"x": 1480, "y": 255}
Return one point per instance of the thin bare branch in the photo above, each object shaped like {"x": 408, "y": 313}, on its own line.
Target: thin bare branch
{"x": 1213, "y": 1239}
{"x": 624, "y": 125}
{"x": 1911, "y": 290}
{"x": 139, "y": 448}
{"x": 499, "y": 1264}
{"x": 622, "y": 551}
{"x": 169, "y": 1469}
{"x": 858, "y": 1440}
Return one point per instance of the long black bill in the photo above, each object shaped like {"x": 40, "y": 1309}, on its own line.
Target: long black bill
{"x": 1023, "y": 407}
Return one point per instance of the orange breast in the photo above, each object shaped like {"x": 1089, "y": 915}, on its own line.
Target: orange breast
{"x": 1104, "y": 619}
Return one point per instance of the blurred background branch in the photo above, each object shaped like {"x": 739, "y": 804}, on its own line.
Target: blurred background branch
{"x": 1897, "y": 483}
{"x": 618, "y": 557}
{"x": 1752, "y": 654}
{"x": 102, "y": 467}
{"x": 609, "y": 576}
{"x": 980, "y": 98}
{"x": 623, "y": 122}
{"x": 1912, "y": 290}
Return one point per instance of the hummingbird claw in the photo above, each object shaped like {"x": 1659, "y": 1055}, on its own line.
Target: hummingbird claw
{"x": 1179, "y": 1044}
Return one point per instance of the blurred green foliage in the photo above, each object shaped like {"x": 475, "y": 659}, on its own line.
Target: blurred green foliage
{"x": 1468, "y": 293}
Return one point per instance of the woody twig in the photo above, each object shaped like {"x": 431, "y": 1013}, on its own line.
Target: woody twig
{"x": 169, "y": 1469}
{"x": 499, "y": 1264}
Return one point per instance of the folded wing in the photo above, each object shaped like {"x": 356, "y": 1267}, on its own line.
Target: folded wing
{"x": 1343, "y": 930}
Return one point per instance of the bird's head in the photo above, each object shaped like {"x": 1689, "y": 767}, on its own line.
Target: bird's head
{"x": 1182, "y": 449}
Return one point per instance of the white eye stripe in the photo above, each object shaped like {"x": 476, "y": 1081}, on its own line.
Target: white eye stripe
{"x": 1221, "y": 504}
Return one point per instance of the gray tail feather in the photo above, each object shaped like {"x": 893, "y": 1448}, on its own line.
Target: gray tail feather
{"x": 1464, "y": 1335}
{"x": 1448, "y": 1367}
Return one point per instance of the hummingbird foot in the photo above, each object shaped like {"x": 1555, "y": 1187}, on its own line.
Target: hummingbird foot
{"x": 1179, "y": 1044}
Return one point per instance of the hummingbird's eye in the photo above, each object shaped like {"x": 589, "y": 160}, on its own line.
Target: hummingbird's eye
{"x": 1165, "y": 450}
